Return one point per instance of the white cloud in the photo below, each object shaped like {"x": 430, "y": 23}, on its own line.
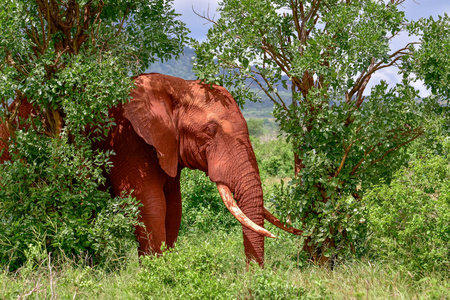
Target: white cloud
{"x": 198, "y": 26}
{"x": 390, "y": 75}
{"x": 421, "y": 87}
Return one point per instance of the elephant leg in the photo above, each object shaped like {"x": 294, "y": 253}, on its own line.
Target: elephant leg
{"x": 173, "y": 210}
{"x": 153, "y": 215}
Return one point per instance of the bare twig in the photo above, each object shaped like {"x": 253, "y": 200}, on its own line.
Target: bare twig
{"x": 397, "y": 55}
{"x": 205, "y": 16}
{"x": 271, "y": 88}
{"x": 60, "y": 53}
{"x": 122, "y": 22}
{"x": 50, "y": 269}
{"x": 35, "y": 289}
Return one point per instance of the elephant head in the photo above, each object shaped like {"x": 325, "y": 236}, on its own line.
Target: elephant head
{"x": 199, "y": 126}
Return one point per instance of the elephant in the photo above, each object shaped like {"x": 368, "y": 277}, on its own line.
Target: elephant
{"x": 168, "y": 124}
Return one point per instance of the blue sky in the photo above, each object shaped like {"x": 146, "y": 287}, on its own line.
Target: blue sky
{"x": 414, "y": 10}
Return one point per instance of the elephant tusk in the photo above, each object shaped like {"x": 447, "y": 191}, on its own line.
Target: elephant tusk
{"x": 231, "y": 204}
{"x": 272, "y": 219}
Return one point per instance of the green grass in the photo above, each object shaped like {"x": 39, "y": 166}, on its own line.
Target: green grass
{"x": 212, "y": 266}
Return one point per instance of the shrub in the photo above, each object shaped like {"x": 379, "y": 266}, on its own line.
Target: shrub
{"x": 274, "y": 158}
{"x": 409, "y": 218}
{"x": 198, "y": 268}
{"x": 213, "y": 267}
{"x": 345, "y": 214}
{"x": 50, "y": 202}
{"x": 203, "y": 209}
{"x": 267, "y": 285}
{"x": 255, "y": 127}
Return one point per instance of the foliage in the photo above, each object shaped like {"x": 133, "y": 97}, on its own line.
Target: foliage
{"x": 255, "y": 127}
{"x": 430, "y": 62}
{"x": 409, "y": 217}
{"x": 325, "y": 53}
{"x": 266, "y": 286}
{"x": 71, "y": 60}
{"x": 78, "y": 53}
{"x": 208, "y": 268}
{"x": 54, "y": 203}
{"x": 203, "y": 209}
{"x": 274, "y": 158}
{"x": 190, "y": 273}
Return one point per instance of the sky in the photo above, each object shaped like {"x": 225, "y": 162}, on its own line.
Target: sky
{"x": 414, "y": 9}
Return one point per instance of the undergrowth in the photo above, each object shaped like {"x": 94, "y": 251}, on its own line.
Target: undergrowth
{"x": 212, "y": 266}
{"x": 403, "y": 261}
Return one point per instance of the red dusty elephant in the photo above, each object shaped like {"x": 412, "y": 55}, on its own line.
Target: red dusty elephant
{"x": 169, "y": 124}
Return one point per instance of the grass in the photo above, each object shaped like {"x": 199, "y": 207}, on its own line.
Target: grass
{"x": 212, "y": 266}
{"x": 66, "y": 281}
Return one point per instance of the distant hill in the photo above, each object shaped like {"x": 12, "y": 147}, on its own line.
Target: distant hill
{"x": 182, "y": 68}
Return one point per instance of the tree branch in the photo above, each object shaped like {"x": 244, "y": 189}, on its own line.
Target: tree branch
{"x": 376, "y": 67}
{"x": 341, "y": 166}
{"x": 419, "y": 133}
{"x": 12, "y": 63}
{"x": 267, "y": 92}
{"x": 297, "y": 25}
{"x": 205, "y": 17}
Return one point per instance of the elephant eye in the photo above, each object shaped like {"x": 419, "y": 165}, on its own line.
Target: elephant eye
{"x": 211, "y": 129}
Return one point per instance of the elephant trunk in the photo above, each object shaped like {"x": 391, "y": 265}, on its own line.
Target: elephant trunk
{"x": 232, "y": 206}
{"x": 242, "y": 179}
{"x": 250, "y": 199}
{"x": 244, "y": 182}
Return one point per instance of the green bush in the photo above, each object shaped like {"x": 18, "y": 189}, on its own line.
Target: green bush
{"x": 213, "y": 267}
{"x": 410, "y": 217}
{"x": 274, "y": 158}
{"x": 203, "y": 209}
{"x": 196, "y": 269}
{"x": 344, "y": 213}
{"x": 255, "y": 127}
{"x": 50, "y": 202}
{"x": 267, "y": 285}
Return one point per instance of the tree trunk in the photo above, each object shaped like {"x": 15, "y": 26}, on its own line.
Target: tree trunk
{"x": 298, "y": 165}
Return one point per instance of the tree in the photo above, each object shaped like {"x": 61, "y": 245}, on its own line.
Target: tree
{"x": 344, "y": 137}
{"x": 70, "y": 60}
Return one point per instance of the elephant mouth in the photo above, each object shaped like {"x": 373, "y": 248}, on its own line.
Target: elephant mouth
{"x": 234, "y": 209}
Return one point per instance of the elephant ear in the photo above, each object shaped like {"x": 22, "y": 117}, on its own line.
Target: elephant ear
{"x": 150, "y": 114}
